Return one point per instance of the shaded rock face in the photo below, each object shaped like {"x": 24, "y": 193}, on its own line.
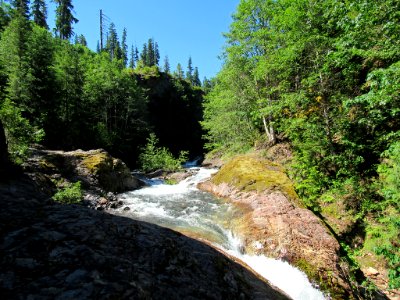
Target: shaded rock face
{"x": 101, "y": 175}
{"x": 53, "y": 251}
{"x": 273, "y": 222}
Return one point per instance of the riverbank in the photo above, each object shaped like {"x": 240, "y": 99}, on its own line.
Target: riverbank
{"x": 275, "y": 223}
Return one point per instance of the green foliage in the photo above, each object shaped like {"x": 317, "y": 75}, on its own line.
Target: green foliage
{"x": 389, "y": 176}
{"x": 154, "y": 157}
{"x": 70, "y": 194}
{"x": 389, "y": 188}
{"x": 64, "y": 19}
{"x": 323, "y": 76}
{"x": 20, "y": 134}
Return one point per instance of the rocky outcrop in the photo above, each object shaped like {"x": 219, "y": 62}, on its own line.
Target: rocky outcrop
{"x": 275, "y": 223}
{"x": 101, "y": 175}
{"x": 54, "y": 251}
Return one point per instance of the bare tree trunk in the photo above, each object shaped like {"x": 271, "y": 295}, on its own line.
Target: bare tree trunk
{"x": 269, "y": 130}
{"x": 4, "y": 159}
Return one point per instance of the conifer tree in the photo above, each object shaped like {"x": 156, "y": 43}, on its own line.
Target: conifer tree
{"x": 189, "y": 73}
{"x": 196, "y": 80}
{"x": 39, "y": 13}
{"x": 136, "y": 55}
{"x": 150, "y": 53}
{"x": 124, "y": 48}
{"x": 156, "y": 54}
{"x": 143, "y": 55}
{"x": 179, "y": 72}
{"x": 132, "y": 60}
{"x": 64, "y": 19}
{"x": 112, "y": 45}
{"x": 166, "y": 64}
{"x": 80, "y": 39}
{"x": 22, "y": 8}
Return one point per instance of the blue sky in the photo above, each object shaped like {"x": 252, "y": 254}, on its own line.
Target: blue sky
{"x": 182, "y": 28}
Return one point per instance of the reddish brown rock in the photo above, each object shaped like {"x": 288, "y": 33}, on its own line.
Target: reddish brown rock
{"x": 274, "y": 224}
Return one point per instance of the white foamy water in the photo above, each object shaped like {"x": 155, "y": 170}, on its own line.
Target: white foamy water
{"x": 183, "y": 207}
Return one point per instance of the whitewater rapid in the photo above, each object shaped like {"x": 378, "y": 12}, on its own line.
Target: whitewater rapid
{"x": 182, "y": 207}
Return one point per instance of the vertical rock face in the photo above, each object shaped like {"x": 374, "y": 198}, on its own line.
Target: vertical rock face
{"x": 275, "y": 224}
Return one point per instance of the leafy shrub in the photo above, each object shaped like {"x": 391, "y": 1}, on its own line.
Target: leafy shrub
{"x": 70, "y": 194}
{"x": 154, "y": 157}
{"x": 19, "y": 132}
{"x": 389, "y": 188}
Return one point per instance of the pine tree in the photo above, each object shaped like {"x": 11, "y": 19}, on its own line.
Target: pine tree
{"x": 22, "y": 8}
{"x": 166, "y": 65}
{"x": 80, "y": 39}
{"x": 112, "y": 45}
{"x": 132, "y": 60}
{"x": 64, "y": 19}
{"x": 156, "y": 54}
{"x": 39, "y": 12}
{"x": 124, "y": 48}
{"x": 196, "y": 80}
{"x": 179, "y": 72}
{"x": 189, "y": 73}
{"x": 143, "y": 55}
{"x": 136, "y": 56}
{"x": 150, "y": 53}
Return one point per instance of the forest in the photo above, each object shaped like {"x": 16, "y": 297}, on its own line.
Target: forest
{"x": 322, "y": 77}
{"x": 63, "y": 95}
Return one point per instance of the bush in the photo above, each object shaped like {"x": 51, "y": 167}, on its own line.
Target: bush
{"x": 154, "y": 158}
{"x": 70, "y": 194}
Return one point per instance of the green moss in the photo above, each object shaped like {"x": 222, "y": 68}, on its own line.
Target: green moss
{"x": 326, "y": 284}
{"x": 97, "y": 162}
{"x": 250, "y": 173}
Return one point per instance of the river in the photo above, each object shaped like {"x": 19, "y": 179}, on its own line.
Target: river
{"x": 184, "y": 208}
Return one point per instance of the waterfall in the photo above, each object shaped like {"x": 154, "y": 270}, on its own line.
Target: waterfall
{"x": 182, "y": 207}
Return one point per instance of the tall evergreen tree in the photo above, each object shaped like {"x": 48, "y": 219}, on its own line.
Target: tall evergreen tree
{"x": 196, "y": 80}
{"x": 39, "y": 13}
{"x": 166, "y": 64}
{"x": 179, "y": 72}
{"x": 150, "y": 53}
{"x": 124, "y": 48}
{"x": 22, "y": 7}
{"x": 144, "y": 54}
{"x": 132, "y": 60}
{"x": 156, "y": 54}
{"x": 189, "y": 72}
{"x": 136, "y": 55}
{"x": 64, "y": 19}
{"x": 80, "y": 39}
{"x": 112, "y": 45}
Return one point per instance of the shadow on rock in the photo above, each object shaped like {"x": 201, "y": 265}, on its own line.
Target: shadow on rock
{"x": 53, "y": 251}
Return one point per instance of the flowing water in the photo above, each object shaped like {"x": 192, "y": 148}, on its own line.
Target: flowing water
{"x": 184, "y": 208}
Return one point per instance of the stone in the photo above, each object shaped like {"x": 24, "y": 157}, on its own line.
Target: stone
{"x": 370, "y": 272}
{"x": 102, "y": 201}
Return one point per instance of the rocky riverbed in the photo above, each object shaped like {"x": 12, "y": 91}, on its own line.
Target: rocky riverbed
{"x": 54, "y": 251}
